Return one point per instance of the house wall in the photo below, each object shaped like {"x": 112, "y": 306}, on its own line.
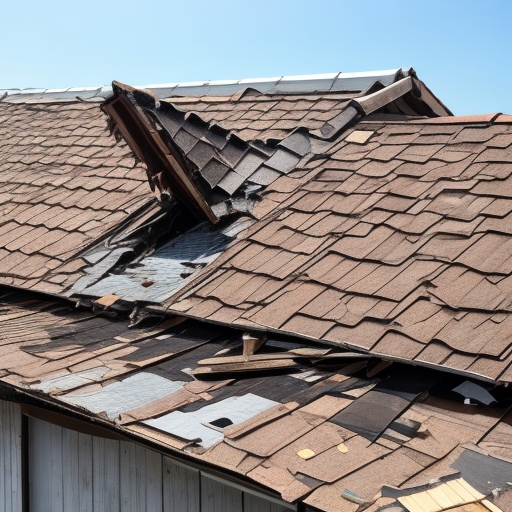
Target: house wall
{"x": 10, "y": 457}
{"x": 74, "y": 471}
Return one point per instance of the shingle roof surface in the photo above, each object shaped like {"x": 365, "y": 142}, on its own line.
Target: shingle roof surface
{"x": 391, "y": 239}
{"x": 361, "y": 429}
{"x": 255, "y": 116}
{"x": 398, "y": 245}
{"x": 64, "y": 183}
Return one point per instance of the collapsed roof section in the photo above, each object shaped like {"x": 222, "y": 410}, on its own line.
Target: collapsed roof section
{"x": 211, "y": 172}
{"x": 335, "y": 430}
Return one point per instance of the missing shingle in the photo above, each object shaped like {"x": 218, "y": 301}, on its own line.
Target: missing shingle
{"x": 219, "y": 423}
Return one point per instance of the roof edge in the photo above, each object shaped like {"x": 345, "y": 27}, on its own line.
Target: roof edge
{"x": 292, "y": 84}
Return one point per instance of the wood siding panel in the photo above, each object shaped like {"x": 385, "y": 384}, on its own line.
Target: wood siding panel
{"x": 74, "y": 471}
{"x": 10, "y": 457}
{"x": 71, "y": 469}
{"x": 219, "y": 497}
{"x": 181, "y": 488}
{"x": 85, "y": 472}
{"x": 141, "y": 479}
{"x": 45, "y": 475}
{"x": 154, "y": 484}
{"x": 106, "y": 477}
{"x": 256, "y": 504}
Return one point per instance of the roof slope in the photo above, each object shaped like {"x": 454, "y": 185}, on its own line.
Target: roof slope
{"x": 394, "y": 239}
{"x": 334, "y": 431}
{"x": 64, "y": 184}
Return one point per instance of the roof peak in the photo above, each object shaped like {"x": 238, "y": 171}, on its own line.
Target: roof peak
{"x": 293, "y": 84}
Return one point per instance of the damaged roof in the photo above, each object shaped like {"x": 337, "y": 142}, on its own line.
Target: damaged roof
{"x": 393, "y": 239}
{"x": 64, "y": 184}
{"x": 333, "y": 429}
{"x": 348, "y": 218}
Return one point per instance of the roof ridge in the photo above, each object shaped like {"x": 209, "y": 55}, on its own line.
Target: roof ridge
{"x": 289, "y": 84}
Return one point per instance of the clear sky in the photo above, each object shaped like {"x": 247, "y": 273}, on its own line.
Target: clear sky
{"x": 460, "y": 48}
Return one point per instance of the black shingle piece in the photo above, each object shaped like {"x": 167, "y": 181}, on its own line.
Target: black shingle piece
{"x": 171, "y": 120}
{"x": 234, "y": 151}
{"x": 297, "y": 142}
{"x": 345, "y": 119}
{"x": 283, "y": 161}
{"x": 214, "y": 171}
{"x": 231, "y": 182}
{"x": 264, "y": 176}
{"x": 201, "y": 153}
{"x": 195, "y": 125}
{"x": 483, "y": 472}
{"x": 249, "y": 163}
{"x": 185, "y": 140}
{"x": 217, "y": 136}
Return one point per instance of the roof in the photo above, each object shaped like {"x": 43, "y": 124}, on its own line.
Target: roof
{"x": 65, "y": 183}
{"x": 339, "y": 431}
{"x": 393, "y": 240}
{"x": 362, "y": 230}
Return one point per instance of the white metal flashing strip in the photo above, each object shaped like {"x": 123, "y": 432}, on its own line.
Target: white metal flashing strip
{"x": 294, "y": 84}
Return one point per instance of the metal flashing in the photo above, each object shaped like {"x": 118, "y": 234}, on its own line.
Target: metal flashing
{"x": 292, "y": 84}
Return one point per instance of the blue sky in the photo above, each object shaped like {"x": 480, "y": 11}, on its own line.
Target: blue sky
{"x": 459, "y": 48}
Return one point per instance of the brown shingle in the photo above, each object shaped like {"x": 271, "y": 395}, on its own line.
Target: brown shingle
{"x": 283, "y": 308}
{"x": 67, "y": 156}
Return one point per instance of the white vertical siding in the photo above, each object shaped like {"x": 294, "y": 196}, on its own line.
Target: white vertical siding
{"x": 154, "y": 485}
{"x": 106, "y": 475}
{"x": 141, "y": 479}
{"x": 257, "y": 504}
{"x": 10, "y": 457}
{"x": 219, "y": 497}
{"x": 69, "y": 471}
{"x": 181, "y": 488}
{"x": 71, "y": 484}
{"x": 84, "y": 461}
{"x": 46, "y": 489}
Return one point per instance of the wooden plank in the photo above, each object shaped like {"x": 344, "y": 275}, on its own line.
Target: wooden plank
{"x": 10, "y": 457}
{"x": 56, "y": 469}
{"x": 85, "y": 473}
{"x": 130, "y": 485}
{"x": 466, "y": 494}
{"x": 491, "y": 506}
{"x": 307, "y": 353}
{"x": 106, "y": 484}
{"x": 438, "y": 494}
{"x": 181, "y": 488}
{"x": 156, "y": 154}
{"x": 470, "y": 490}
{"x": 219, "y": 497}
{"x": 244, "y": 367}
{"x": 379, "y": 99}
{"x": 45, "y": 467}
